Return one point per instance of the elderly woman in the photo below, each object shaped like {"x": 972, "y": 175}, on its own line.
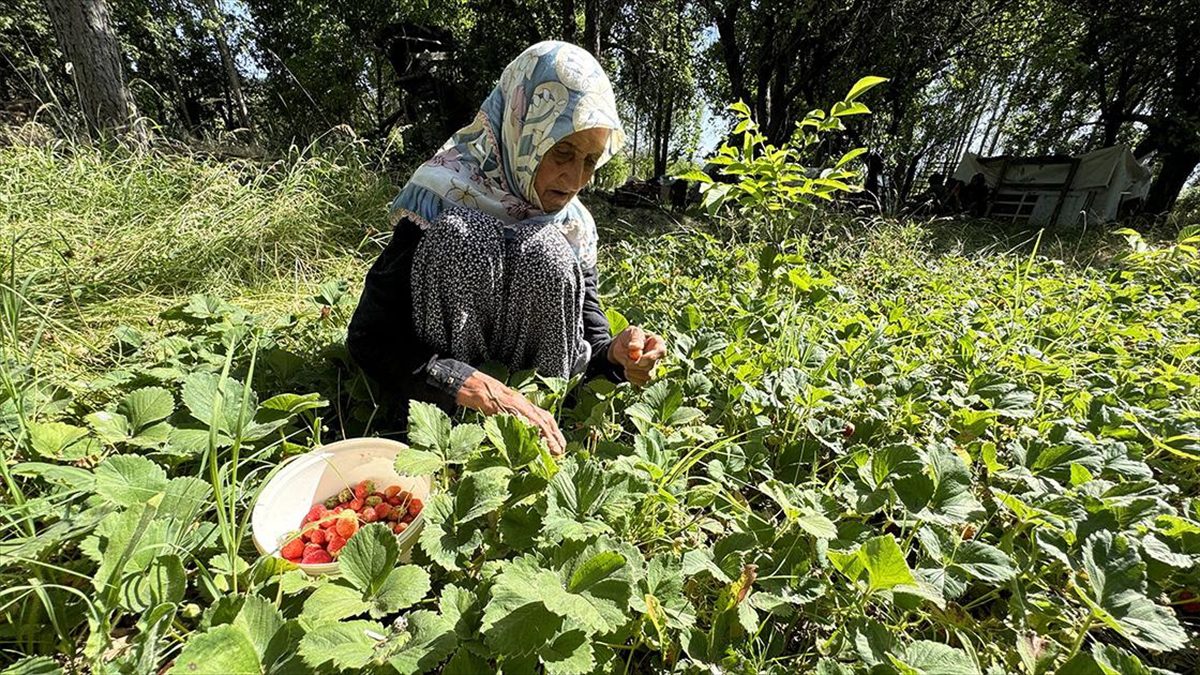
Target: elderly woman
{"x": 493, "y": 257}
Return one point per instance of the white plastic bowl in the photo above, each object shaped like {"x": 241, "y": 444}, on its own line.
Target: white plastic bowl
{"x": 313, "y": 477}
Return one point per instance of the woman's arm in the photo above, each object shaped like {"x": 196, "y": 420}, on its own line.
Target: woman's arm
{"x": 382, "y": 339}
{"x": 596, "y": 331}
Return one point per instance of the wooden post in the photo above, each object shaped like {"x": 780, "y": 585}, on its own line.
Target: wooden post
{"x": 996, "y": 191}
{"x": 1062, "y": 194}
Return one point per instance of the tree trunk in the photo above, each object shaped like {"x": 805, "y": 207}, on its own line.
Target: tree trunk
{"x": 86, "y": 38}
{"x": 234, "y": 81}
{"x": 726, "y": 21}
{"x": 569, "y": 27}
{"x": 1173, "y": 173}
{"x": 591, "y": 26}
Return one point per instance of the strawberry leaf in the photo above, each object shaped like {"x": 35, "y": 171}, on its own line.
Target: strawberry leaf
{"x": 1116, "y": 577}
{"x": 431, "y": 640}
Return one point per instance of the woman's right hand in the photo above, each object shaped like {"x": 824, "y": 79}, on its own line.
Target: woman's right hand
{"x": 490, "y": 396}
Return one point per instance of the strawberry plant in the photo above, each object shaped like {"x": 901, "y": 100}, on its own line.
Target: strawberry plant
{"x": 910, "y": 458}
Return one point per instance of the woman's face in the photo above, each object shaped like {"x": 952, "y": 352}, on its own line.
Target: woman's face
{"x": 568, "y": 166}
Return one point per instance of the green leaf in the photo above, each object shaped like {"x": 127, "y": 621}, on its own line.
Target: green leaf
{"x": 217, "y": 402}
{"x": 695, "y": 175}
{"x": 871, "y": 639}
{"x": 1107, "y": 660}
{"x": 57, "y": 440}
{"x": 432, "y": 640}
{"x": 569, "y": 653}
{"x": 184, "y": 499}
{"x": 984, "y": 562}
{"x": 443, "y": 539}
{"x": 34, "y": 665}
{"x": 294, "y": 404}
{"x": 844, "y": 109}
{"x": 481, "y": 492}
{"x": 1156, "y": 549}
{"x": 804, "y": 517}
{"x": 464, "y": 440}
{"x": 817, "y": 525}
{"x": 520, "y": 631}
{"x": 616, "y": 321}
{"x": 598, "y": 603}
{"x": 777, "y": 491}
{"x": 110, "y": 427}
{"x": 953, "y": 499}
{"x": 701, "y": 560}
{"x": 413, "y": 462}
{"x": 934, "y": 658}
{"x": 260, "y": 621}
{"x": 864, "y": 85}
{"x": 126, "y": 480}
{"x": 850, "y": 157}
{"x": 575, "y": 500}
{"x": 514, "y": 437}
{"x": 368, "y": 557}
{"x": 71, "y": 477}
{"x": 520, "y": 526}
{"x": 332, "y": 293}
{"x": 145, "y": 406}
{"x": 465, "y": 662}
{"x": 404, "y": 587}
{"x": 163, "y": 581}
{"x": 223, "y": 650}
{"x": 595, "y": 570}
{"x": 346, "y": 645}
{"x": 1116, "y": 577}
{"x": 334, "y": 601}
{"x": 885, "y": 564}
{"x": 428, "y": 428}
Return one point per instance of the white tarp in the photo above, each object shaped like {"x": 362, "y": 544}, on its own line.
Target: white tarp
{"x": 1105, "y": 178}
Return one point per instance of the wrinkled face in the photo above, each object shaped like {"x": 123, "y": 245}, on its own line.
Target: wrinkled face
{"x": 568, "y": 166}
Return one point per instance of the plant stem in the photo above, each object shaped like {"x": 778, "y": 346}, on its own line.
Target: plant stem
{"x": 1087, "y": 624}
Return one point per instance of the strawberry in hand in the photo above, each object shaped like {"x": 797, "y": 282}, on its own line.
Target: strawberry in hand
{"x": 637, "y": 351}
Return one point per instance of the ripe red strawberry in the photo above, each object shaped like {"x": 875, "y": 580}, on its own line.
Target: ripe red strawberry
{"x": 399, "y": 527}
{"x": 394, "y": 501}
{"x": 1192, "y": 607}
{"x": 415, "y": 507}
{"x": 369, "y": 515}
{"x": 363, "y": 489}
{"x": 408, "y": 517}
{"x": 356, "y": 504}
{"x": 316, "y": 557}
{"x": 335, "y": 545}
{"x": 316, "y": 512}
{"x": 383, "y": 510}
{"x": 293, "y": 549}
{"x": 327, "y": 522}
{"x": 391, "y": 492}
{"x": 317, "y": 536}
{"x": 347, "y": 527}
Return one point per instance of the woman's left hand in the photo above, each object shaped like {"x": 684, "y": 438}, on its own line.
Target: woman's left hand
{"x": 637, "y": 351}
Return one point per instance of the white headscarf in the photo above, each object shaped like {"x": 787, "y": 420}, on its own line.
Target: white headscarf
{"x": 552, "y": 90}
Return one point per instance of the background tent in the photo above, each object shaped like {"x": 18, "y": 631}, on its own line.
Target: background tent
{"x": 1060, "y": 190}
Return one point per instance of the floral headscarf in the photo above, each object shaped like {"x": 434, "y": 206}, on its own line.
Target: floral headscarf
{"x": 552, "y": 90}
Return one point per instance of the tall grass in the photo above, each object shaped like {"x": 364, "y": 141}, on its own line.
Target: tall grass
{"x": 167, "y": 223}
{"x": 111, "y": 237}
